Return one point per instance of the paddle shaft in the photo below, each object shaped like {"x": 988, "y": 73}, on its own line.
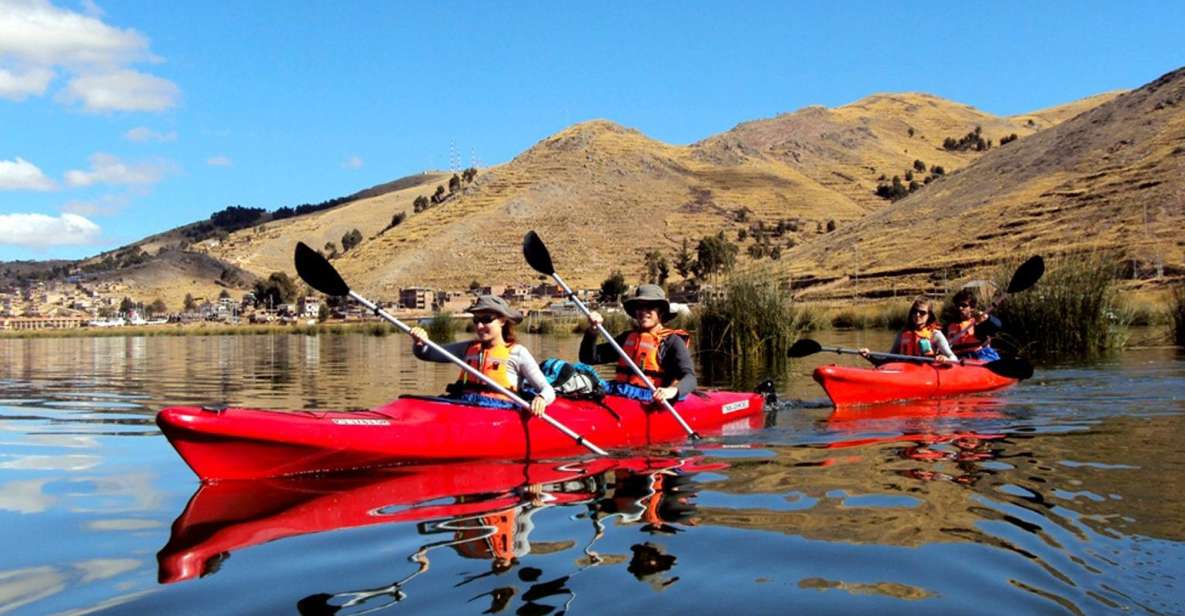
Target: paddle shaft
{"x": 477, "y": 374}
{"x": 897, "y": 356}
{"x": 621, "y": 352}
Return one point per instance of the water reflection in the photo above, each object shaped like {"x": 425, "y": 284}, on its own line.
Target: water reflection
{"x": 484, "y": 511}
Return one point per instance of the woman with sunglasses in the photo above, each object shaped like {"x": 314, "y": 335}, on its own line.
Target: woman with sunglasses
{"x": 964, "y": 340}
{"x": 922, "y": 335}
{"x": 661, "y": 353}
{"x": 495, "y": 354}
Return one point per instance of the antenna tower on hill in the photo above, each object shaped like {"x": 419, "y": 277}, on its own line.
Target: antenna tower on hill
{"x": 454, "y": 159}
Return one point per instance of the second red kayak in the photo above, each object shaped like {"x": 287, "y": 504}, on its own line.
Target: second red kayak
{"x": 847, "y": 385}
{"x": 238, "y": 443}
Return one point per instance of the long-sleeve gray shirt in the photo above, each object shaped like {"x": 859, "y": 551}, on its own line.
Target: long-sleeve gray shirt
{"x": 520, "y": 365}
{"x": 673, "y": 357}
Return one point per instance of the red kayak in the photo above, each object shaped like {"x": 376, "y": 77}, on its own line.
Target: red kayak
{"x": 237, "y": 443}
{"x": 229, "y": 516}
{"x": 895, "y": 381}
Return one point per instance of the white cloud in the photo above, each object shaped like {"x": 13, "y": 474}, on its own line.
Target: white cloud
{"x": 21, "y": 174}
{"x": 353, "y": 162}
{"x": 18, "y": 85}
{"x": 143, "y": 134}
{"x": 107, "y": 205}
{"x": 220, "y": 160}
{"x": 39, "y": 230}
{"x": 108, "y": 169}
{"x": 123, "y": 90}
{"x": 38, "y": 38}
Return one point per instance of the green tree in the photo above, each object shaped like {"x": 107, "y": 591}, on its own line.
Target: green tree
{"x": 190, "y": 304}
{"x": 657, "y": 269}
{"x": 351, "y": 239}
{"x": 918, "y": 165}
{"x": 714, "y": 254}
{"x": 330, "y": 250}
{"x": 323, "y": 312}
{"x": 157, "y": 307}
{"x": 277, "y": 289}
{"x": 224, "y": 294}
{"x": 420, "y": 204}
{"x": 684, "y": 260}
{"x": 613, "y": 287}
{"x": 469, "y": 174}
{"x": 454, "y": 183}
{"x": 438, "y": 196}
{"x": 474, "y": 285}
{"x": 127, "y": 305}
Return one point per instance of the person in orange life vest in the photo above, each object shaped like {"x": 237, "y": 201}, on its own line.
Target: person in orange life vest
{"x": 922, "y": 335}
{"x": 503, "y": 536}
{"x": 495, "y": 354}
{"x": 972, "y": 344}
{"x": 661, "y": 353}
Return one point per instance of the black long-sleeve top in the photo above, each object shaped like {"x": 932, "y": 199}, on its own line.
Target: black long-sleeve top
{"x": 673, "y": 357}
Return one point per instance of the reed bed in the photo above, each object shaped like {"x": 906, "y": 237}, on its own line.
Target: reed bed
{"x": 871, "y": 316}
{"x": 442, "y": 327}
{"x": 1074, "y": 312}
{"x": 752, "y": 319}
{"x": 1177, "y": 311}
{"x": 134, "y": 331}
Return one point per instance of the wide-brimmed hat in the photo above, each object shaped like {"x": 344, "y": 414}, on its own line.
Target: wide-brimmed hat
{"x": 649, "y": 294}
{"x": 495, "y": 304}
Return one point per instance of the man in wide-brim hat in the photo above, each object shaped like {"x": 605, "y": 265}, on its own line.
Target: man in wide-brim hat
{"x": 661, "y": 353}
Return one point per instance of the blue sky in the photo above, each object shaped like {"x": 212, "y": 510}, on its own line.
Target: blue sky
{"x": 119, "y": 119}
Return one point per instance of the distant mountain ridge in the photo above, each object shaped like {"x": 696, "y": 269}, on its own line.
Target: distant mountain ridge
{"x": 603, "y": 195}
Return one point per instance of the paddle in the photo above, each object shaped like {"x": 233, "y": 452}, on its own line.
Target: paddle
{"x": 320, "y": 275}
{"x": 1013, "y": 368}
{"x": 539, "y": 258}
{"x": 1023, "y": 278}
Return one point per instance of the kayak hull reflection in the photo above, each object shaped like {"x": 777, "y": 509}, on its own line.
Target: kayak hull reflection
{"x": 238, "y": 443}
{"x": 896, "y": 381}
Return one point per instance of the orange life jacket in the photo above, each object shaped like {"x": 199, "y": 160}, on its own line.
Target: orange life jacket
{"x": 499, "y": 544}
{"x": 491, "y": 362}
{"x": 968, "y": 344}
{"x": 642, "y": 347}
{"x": 911, "y": 341}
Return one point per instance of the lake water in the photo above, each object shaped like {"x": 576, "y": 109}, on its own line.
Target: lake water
{"x": 1063, "y": 495}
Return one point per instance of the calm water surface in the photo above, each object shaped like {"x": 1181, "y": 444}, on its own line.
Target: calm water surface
{"x": 1063, "y": 495}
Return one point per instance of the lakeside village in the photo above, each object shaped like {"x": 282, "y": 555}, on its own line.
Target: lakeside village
{"x": 73, "y": 305}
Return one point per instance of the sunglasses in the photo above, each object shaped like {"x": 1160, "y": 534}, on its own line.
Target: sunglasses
{"x": 483, "y": 319}
{"x": 921, "y": 313}
{"x": 964, "y": 305}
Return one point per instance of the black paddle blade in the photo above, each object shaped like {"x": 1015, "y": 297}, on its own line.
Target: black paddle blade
{"x": 1027, "y": 274}
{"x": 804, "y": 347}
{"x": 1013, "y": 368}
{"x": 316, "y": 270}
{"x": 536, "y": 254}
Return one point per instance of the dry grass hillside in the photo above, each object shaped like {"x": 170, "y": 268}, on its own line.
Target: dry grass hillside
{"x": 602, "y": 195}
{"x": 1112, "y": 177}
{"x": 851, "y": 149}
{"x": 268, "y": 247}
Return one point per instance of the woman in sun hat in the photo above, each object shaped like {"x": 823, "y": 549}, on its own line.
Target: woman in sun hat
{"x": 661, "y": 353}
{"x": 495, "y": 354}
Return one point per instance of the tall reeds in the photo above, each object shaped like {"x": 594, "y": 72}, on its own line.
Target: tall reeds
{"x": 442, "y": 327}
{"x": 1074, "y": 312}
{"x": 1177, "y": 308}
{"x": 751, "y": 319}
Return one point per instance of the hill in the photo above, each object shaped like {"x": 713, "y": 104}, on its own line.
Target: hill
{"x": 1111, "y": 177}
